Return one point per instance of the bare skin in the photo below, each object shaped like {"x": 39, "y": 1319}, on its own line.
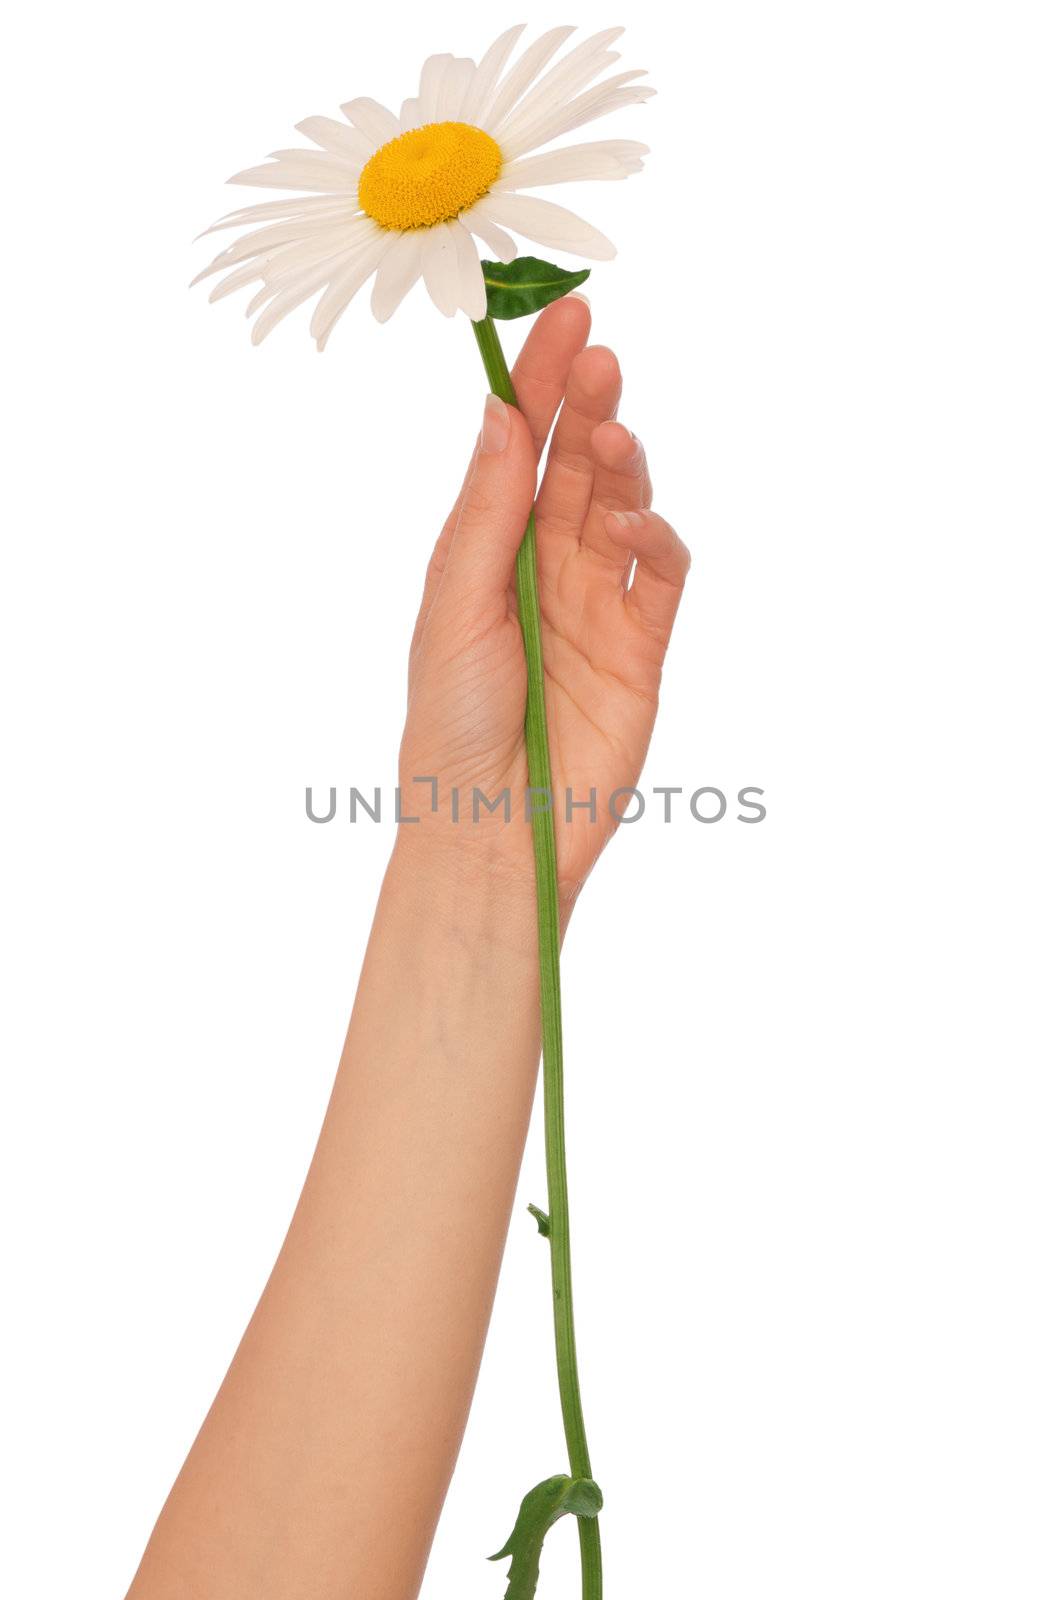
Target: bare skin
{"x": 321, "y": 1467}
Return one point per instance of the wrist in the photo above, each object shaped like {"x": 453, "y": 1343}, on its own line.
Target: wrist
{"x": 478, "y": 895}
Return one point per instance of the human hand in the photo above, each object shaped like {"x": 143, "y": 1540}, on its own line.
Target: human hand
{"x": 605, "y": 633}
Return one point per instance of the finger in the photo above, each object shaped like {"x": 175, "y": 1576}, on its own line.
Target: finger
{"x": 621, "y": 483}
{"x": 592, "y": 395}
{"x": 437, "y": 564}
{"x": 541, "y": 371}
{"x": 663, "y": 562}
{"x": 493, "y": 514}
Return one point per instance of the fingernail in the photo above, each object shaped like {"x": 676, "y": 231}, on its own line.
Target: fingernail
{"x": 574, "y": 294}
{"x": 495, "y": 431}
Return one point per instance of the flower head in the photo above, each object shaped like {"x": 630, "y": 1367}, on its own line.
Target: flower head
{"x": 405, "y": 197}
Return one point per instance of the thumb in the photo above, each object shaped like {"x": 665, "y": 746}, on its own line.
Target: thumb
{"x": 494, "y": 509}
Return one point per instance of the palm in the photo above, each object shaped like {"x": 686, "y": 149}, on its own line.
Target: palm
{"x": 604, "y": 637}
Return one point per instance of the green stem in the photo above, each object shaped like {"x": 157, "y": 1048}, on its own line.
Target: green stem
{"x": 545, "y": 850}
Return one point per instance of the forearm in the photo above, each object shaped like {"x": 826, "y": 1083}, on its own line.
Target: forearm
{"x": 322, "y": 1466}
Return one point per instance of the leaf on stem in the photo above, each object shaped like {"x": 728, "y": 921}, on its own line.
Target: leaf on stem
{"x": 542, "y": 1221}
{"x": 517, "y": 288}
{"x": 541, "y": 1507}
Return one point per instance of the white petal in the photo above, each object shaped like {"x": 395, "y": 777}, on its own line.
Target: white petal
{"x": 260, "y": 299}
{"x": 432, "y": 75}
{"x": 534, "y": 106}
{"x": 337, "y": 137}
{"x": 564, "y": 80}
{"x": 545, "y": 223}
{"x": 487, "y": 73}
{"x": 276, "y": 271}
{"x": 344, "y": 286}
{"x": 439, "y": 262}
{"x": 280, "y": 268}
{"x": 279, "y": 308}
{"x": 262, "y": 241}
{"x": 376, "y": 122}
{"x": 257, "y": 243}
{"x": 597, "y": 102}
{"x": 312, "y": 207}
{"x": 396, "y": 274}
{"x": 306, "y": 173}
{"x": 455, "y": 86}
{"x": 236, "y": 280}
{"x": 576, "y": 163}
{"x": 319, "y": 160}
{"x": 284, "y": 268}
{"x": 472, "y": 291}
{"x": 526, "y": 68}
{"x": 300, "y": 288}
{"x": 493, "y": 237}
{"x": 410, "y": 115}
{"x": 277, "y": 176}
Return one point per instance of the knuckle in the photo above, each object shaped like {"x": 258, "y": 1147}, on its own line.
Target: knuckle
{"x": 478, "y": 502}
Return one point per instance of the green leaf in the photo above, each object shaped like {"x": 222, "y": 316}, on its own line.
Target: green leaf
{"x": 541, "y": 1507}
{"x": 542, "y": 1221}
{"x": 517, "y": 288}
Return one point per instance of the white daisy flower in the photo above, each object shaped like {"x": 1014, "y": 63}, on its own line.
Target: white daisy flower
{"x": 405, "y": 197}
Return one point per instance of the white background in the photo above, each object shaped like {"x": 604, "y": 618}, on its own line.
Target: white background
{"x": 814, "y": 1092}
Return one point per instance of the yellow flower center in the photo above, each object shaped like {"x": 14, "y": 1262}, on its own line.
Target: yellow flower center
{"x": 428, "y": 175}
